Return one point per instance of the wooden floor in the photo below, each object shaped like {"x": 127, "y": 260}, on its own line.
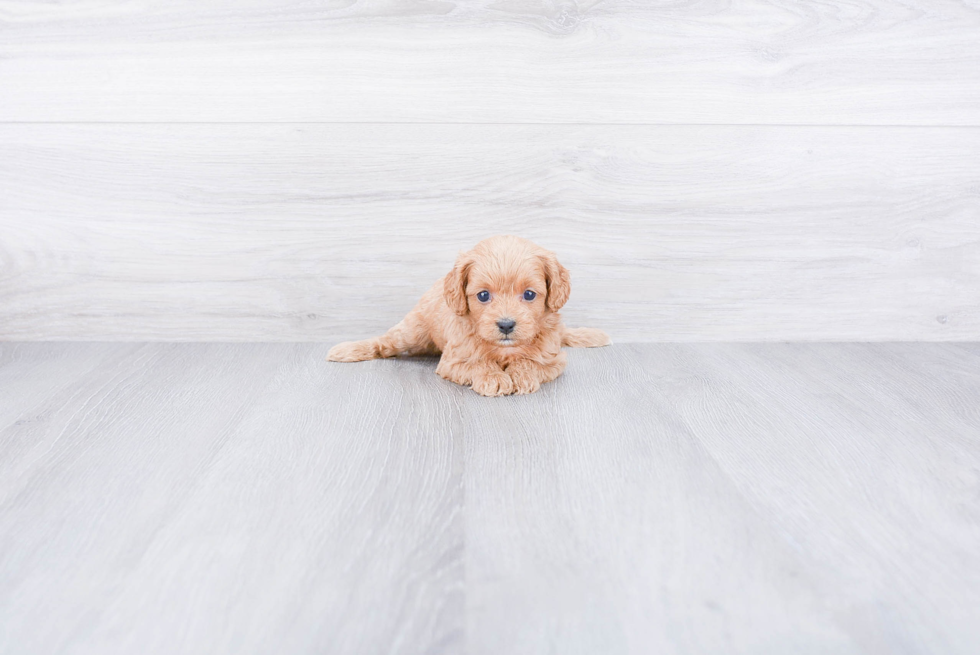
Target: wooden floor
{"x": 658, "y": 498}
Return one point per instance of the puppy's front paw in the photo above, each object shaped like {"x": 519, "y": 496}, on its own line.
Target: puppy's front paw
{"x": 493, "y": 384}
{"x": 524, "y": 381}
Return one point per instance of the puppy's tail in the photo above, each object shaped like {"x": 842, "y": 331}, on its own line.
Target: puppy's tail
{"x": 584, "y": 338}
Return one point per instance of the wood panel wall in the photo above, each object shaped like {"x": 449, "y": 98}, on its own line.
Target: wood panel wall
{"x": 303, "y": 171}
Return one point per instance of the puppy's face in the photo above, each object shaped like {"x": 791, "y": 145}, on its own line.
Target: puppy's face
{"x": 506, "y": 286}
{"x": 506, "y": 306}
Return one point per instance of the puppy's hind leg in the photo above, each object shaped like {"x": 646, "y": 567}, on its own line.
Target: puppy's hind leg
{"x": 356, "y": 351}
{"x": 584, "y": 338}
{"x": 408, "y": 337}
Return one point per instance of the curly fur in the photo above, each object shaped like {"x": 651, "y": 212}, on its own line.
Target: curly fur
{"x": 450, "y": 321}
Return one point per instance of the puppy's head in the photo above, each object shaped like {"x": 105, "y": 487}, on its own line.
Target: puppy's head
{"x": 507, "y": 287}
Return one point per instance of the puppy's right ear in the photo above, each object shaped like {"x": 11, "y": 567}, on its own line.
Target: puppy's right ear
{"x": 454, "y": 288}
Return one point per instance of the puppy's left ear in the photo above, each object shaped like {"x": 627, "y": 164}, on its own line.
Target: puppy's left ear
{"x": 454, "y": 286}
{"x": 558, "y": 280}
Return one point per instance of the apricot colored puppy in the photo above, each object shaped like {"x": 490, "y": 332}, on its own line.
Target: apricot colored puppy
{"x": 494, "y": 319}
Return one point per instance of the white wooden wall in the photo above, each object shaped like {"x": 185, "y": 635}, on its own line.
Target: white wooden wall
{"x": 258, "y": 170}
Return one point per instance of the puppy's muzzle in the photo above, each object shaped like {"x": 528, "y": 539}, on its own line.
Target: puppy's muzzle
{"x": 506, "y": 325}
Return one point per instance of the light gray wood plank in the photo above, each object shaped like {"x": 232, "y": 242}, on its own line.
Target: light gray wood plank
{"x": 31, "y": 377}
{"x": 598, "y": 523}
{"x": 866, "y": 458}
{"x": 236, "y": 499}
{"x": 757, "y": 61}
{"x": 326, "y": 232}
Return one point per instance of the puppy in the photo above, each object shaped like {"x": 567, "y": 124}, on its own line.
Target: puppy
{"x": 494, "y": 320}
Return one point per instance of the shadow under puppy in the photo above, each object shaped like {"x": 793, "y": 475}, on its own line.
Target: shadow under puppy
{"x": 494, "y": 319}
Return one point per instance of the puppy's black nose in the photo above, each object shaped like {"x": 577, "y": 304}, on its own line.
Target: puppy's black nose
{"x": 506, "y": 325}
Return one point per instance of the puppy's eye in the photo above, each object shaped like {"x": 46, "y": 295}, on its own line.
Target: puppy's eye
{"x": 483, "y": 296}
{"x": 530, "y": 295}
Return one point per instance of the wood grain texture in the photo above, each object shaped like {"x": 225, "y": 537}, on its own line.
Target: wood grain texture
{"x": 731, "y": 498}
{"x": 221, "y": 499}
{"x": 755, "y": 61}
{"x": 328, "y": 232}
{"x": 608, "y": 528}
{"x": 669, "y": 498}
